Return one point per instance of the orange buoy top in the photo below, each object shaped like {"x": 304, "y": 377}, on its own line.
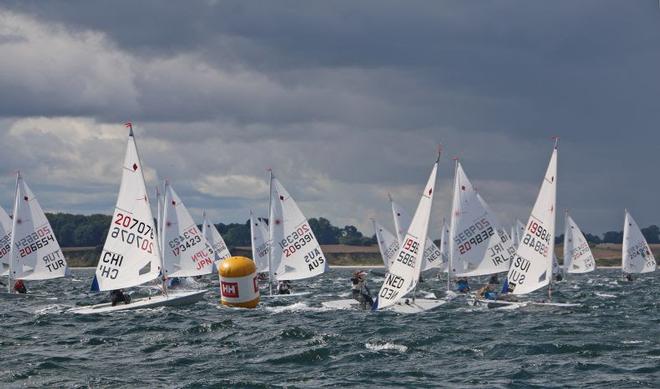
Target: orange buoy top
{"x": 237, "y": 267}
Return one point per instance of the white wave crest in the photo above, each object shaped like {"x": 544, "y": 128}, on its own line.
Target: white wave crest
{"x": 297, "y": 307}
{"x": 386, "y": 346}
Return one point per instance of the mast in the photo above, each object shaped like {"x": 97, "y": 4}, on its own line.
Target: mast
{"x": 12, "y": 242}
{"x": 452, "y": 226}
{"x": 566, "y": 231}
{"x": 162, "y": 240}
{"x": 552, "y": 238}
{"x": 270, "y": 230}
{"x": 159, "y": 219}
{"x": 623, "y": 243}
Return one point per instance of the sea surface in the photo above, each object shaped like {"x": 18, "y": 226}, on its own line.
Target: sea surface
{"x": 611, "y": 341}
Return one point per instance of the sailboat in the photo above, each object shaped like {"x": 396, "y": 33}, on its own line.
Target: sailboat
{"x": 403, "y": 274}
{"x": 516, "y": 232}
{"x": 636, "y": 256}
{"x": 444, "y": 245}
{"x": 260, "y": 247}
{"x": 131, "y": 255}
{"x": 34, "y": 253}
{"x": 388, "y": 244}
{"x": 478, "y": 244}
{"x": 432, "y": 255}
{"x": 213, "y": 237}
{"x": 5, "y": 242}
{"x": 577, "y": 253}
{"x": 186, "y": 252}
{"x": 531, "y": 268}
{"x": 294, "y": 253}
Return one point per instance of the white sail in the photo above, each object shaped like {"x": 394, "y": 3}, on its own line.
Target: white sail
{"x": 513, "y": 236}
{"x": 520, "y": 231}
{"x": 213, "y": 237}
{"x": 186, "y": 253}
{"x": 432, "y": 255}
{"x": 403, "y": 274}
{"x": 556, "y": 269}
{"x": 531, "y": 268}
{"x": 260, "y": 246}
{"x": 159, "y": 219}
{"x": 637, "y": 256}
{"x": 444, "y": 244}
{"x": 295, "y": 252}
{"x": 36, "y": 254}
{"x": 577, "y": 253}
{"x": 131, "y": 255}
{"x": 388, "y": 244}
{"x": 479, "y": 243}
{"x": 5, "y": 241}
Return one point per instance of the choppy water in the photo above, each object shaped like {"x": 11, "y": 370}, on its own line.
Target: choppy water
{"x": 612, "y": 341}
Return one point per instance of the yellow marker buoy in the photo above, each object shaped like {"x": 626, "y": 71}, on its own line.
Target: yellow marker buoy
{"x": 238, "y": 282}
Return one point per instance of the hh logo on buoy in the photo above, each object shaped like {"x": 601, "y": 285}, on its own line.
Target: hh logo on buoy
{"x": 230, "y": 289}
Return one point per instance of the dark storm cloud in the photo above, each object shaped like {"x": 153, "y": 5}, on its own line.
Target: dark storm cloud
{"x": 355, "y": 90}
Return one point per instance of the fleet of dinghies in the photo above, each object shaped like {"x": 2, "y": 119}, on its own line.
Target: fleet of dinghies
{"x": 141, "y": 250}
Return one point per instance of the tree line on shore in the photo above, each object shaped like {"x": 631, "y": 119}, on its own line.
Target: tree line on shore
{"x": 91, "y": 230}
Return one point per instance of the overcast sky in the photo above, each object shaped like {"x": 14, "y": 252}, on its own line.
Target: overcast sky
{"x": 344, "y": 100}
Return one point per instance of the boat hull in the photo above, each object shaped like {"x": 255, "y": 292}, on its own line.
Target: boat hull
{"x": 23, "y": 295}
{"x": 173, "y": 298}
{"x": 501, "y": 304}
{"x": 280, "y": 296}
{"x": 420, "y": 305}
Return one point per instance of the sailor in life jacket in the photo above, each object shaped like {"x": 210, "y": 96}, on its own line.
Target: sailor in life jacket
{"x": 360, "y": 290}
{"x": 284, "y": 287}
{"x": 462, "y": 285}
{"x": 19, "y": 287}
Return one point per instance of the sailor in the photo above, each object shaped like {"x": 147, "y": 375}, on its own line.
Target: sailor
{"x": 504, "y": 294}
{"x": 173, "y": 282}
{"x": 487, "y": 292}
{"x": 462, "y": 285}
{"x": 629, "y": 277}
{"x": 117, "y": 296}
{"x": 284, "y": 287}
{"x": 360, "y": 290}
{"x": 19, "y": 287}
{"x": 559, "y": 277}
